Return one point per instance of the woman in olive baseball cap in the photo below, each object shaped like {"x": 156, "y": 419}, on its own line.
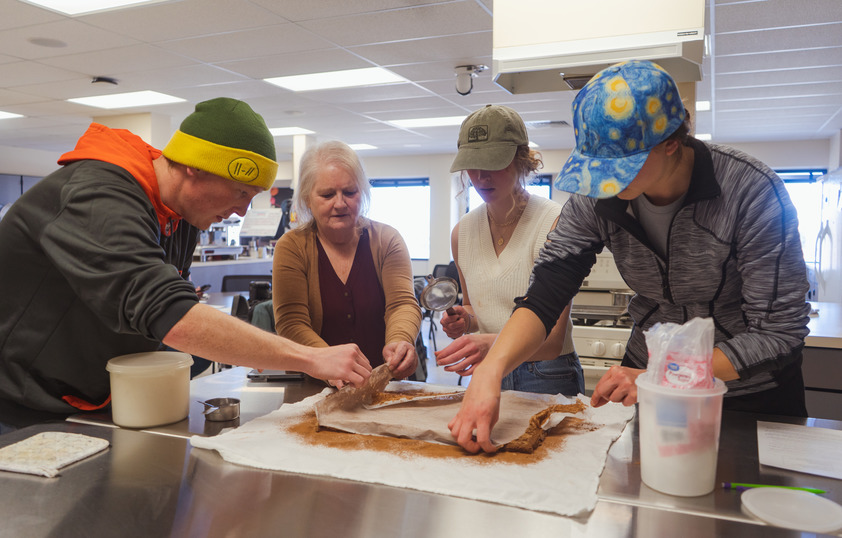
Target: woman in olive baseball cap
{"x": 494, "y": 247}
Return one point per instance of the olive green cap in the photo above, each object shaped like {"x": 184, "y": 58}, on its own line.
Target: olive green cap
{"x": 489, "y": 138}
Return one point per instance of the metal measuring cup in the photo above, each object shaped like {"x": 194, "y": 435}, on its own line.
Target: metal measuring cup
{"x": 221, "y": 409}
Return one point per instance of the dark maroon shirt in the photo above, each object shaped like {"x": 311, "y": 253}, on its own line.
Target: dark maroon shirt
{"x": 354, "y": 312}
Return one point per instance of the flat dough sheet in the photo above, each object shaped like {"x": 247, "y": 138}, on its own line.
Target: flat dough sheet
{"x": 425, "y": 418}
{"x": 47, "y": 452}
{"x": 563, "y": 481}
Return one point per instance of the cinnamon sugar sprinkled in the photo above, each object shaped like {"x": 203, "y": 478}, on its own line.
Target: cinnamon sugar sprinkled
{"x": 308, "y": 430}
{"x": 535, "y": 434}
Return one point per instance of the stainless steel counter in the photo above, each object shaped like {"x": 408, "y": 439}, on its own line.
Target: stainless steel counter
{"x": 825, "y": 326}
{"x": 737, "y": 462}
{"x": 153, "y": 485}
{"x": 157, "y": 485}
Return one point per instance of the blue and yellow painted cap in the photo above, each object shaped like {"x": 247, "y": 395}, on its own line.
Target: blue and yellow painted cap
{"x": 618, "y": 117}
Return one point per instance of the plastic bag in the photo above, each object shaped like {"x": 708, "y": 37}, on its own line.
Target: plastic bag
{"x": 681, "y": 356}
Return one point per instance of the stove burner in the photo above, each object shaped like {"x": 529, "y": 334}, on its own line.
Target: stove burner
{"x": 601, "y": 316}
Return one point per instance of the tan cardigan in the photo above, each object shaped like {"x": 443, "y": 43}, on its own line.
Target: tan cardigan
{"x": 295, "y": 285}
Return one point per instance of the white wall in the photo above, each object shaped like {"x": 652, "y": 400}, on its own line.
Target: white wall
{"x": 789, "y": 154}
{"x": 27, "y": 162}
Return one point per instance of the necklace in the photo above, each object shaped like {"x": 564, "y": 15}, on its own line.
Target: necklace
{"x": 508, "y": 222}
{"x": 514, "y": 219}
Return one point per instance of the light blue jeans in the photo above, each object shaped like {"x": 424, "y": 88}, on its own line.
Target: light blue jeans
{"x": 562, "y": 375}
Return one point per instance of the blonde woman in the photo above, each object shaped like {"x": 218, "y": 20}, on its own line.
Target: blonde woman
{"x": 339, "y": 277}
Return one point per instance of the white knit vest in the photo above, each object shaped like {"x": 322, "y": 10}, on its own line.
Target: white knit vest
{"x": 493, "y": 282}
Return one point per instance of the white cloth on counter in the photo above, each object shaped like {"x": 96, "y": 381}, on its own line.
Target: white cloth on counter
{"x": 47, "y": 452}
{"x": 564, "y": 482}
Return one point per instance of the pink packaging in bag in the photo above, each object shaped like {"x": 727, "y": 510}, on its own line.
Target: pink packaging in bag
{"x": 684, "y": 371}
{"x": 681, "y": 356}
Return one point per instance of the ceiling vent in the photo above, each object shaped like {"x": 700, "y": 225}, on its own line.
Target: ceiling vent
{"x": 572, "y": 41}
{"x": 546, "y": 124}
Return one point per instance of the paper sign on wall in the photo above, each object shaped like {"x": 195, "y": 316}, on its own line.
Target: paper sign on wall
{"x": 261, "y": 222}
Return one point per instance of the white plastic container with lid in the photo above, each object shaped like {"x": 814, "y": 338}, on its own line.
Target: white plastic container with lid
{"x": 679, "y": 437}
{"x": 150, "y": 389}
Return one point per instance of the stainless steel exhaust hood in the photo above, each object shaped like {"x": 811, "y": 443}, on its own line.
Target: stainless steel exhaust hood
{"x": 553, "y": 45}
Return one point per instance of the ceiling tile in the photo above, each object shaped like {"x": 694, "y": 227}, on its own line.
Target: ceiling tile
{"x": 298, "y": 63}
{"x": 115, "y": 61}
{"x": 742, "y": 16}
{"x": 323, "y": 9}
{"x": 184, "y": 18}
{"x": 397, "y": 25}
{"x": 246, "y": 44}
{"x": 16, "y": 14}
{"x": 782, "y": 39}
{"x": 464, "y": 49}
{"x": 78, "y": 36}
{"x": 775, "y": 61}
{"x": 21, "y": 74}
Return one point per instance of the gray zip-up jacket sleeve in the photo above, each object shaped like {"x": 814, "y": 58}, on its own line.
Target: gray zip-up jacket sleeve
{"x": 734, "y": 255}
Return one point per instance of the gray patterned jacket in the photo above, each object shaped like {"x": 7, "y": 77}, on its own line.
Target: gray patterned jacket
{"x": 734, "y": 255}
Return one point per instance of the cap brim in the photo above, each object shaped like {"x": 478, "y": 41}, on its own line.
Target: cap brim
{"x": 485, "y": 158}
{"x": 599, "y": 177}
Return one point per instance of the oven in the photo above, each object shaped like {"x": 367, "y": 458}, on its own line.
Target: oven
{"x": 601, "y": 324}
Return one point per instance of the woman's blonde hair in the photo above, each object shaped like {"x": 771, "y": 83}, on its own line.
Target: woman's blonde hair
{"x": 314, "y": 160}
{"x": 527, "y": 161}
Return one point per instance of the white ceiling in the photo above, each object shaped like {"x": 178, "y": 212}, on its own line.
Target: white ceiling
{"x": 775, "y": 72}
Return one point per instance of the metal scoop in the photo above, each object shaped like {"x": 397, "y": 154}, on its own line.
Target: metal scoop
{"x": 440, "y": 294}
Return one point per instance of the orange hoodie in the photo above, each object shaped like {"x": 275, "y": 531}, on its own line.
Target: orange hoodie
{"x": 128, "y": 151}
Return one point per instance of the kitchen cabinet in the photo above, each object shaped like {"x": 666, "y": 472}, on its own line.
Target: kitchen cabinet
{"x": 10, "y": 189}
{"x": 12, "y": 186}
{"x": 822, "y": 367}
{"x": 822, "y": 371}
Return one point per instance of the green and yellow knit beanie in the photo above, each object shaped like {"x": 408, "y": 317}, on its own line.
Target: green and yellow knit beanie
{"x": 227, "y": 138}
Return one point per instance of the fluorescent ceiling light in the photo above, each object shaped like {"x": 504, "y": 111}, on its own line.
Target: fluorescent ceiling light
{"x": 78, "y": 7}
{"x": 361, "y": 147}
{"x": 702, "y": 106}
{"x": 533, "y": 144}
{"x": 7, "y": 115}
{"x": 428, "y": 122}
{"x": 127, "y": 100}
{"x": 702, "y": 136}
{"x": 370, "y": 76}
{"x": 289, "y": 131}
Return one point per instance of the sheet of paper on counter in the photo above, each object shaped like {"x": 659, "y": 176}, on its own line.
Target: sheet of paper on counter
{"x": 799, "y": 448}
{"x": 564, "y": 482}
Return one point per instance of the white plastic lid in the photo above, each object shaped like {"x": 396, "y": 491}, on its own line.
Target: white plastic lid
{"x": 793, "y": 509}
{"x": 151, "y": 362}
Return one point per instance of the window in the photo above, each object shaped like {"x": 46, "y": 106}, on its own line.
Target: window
{"x": 541, "y": 185}
{"x": 405, "y": 205}
{"x": 806, "y": 195}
